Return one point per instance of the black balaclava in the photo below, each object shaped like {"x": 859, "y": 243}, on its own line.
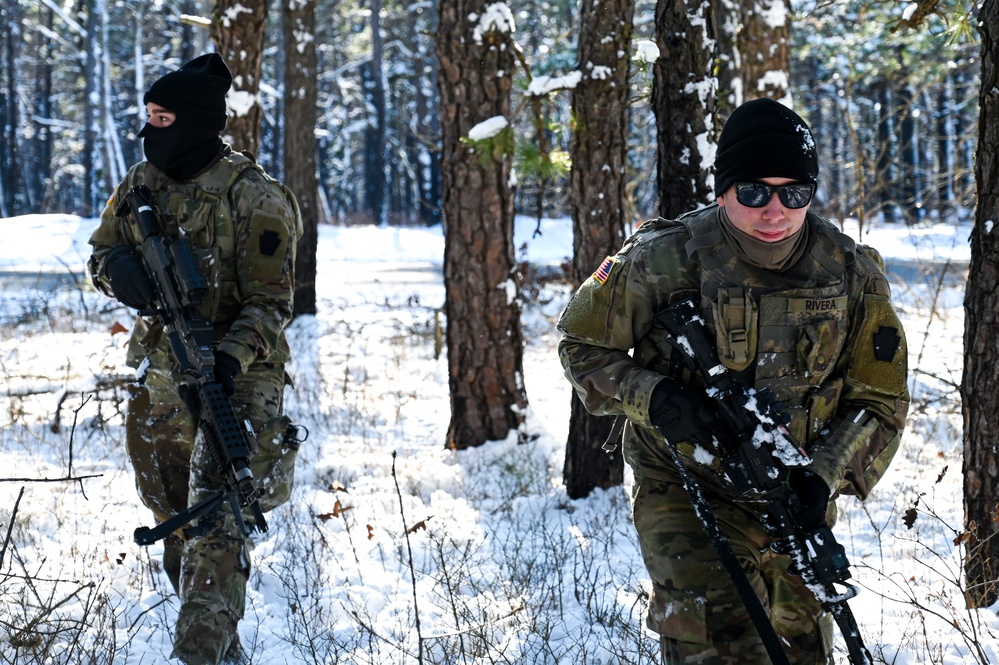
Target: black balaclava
{"x": 196, "y": 94}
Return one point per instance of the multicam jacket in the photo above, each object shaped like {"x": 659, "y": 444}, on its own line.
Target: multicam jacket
{"x": 244, "y": 227}
{"x": 822, "y": 336}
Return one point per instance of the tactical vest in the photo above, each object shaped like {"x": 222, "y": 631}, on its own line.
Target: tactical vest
{"x": 199, "y": 210}
{"x": 781, "y": 331}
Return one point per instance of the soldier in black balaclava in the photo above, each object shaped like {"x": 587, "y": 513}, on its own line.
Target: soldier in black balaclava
{"x": 243, "y": 227}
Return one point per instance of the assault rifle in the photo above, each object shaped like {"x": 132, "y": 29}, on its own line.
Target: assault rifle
{"x": 757, "y": 460}
{"x": 180, "y": 288}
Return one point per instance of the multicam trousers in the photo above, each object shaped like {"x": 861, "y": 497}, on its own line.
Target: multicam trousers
{"x": 172, "y": 471}
{"x": 695, "y": 607}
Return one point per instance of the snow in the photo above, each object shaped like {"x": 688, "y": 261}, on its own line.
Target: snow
{"x": 600, "y": 72}
{"x": 231, "y": 14}
{"x": 646, "y": 51}
{"x": 775, "y": 79}
{"x": 545, "y": 84}
{"x": 393, "y": 548}
{"x": 496, "y": 17}
{"x": 240, "y": 102}
{"x": 774, "y": 14}
{"x": 488, "y": 128}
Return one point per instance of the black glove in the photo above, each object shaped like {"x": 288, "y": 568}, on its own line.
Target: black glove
{"x": 189, "y": 395}
{"x": 813, "y": 495}
{"x": 227, "y": 369}
{"x": 683, "y": 414}
{"x": 130, "y": 284}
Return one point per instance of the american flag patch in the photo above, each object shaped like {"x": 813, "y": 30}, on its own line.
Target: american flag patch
{"x": 603, "y": 273}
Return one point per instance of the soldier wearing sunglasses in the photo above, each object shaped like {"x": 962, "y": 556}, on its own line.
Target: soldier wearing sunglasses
{"x": 796, "y": 307}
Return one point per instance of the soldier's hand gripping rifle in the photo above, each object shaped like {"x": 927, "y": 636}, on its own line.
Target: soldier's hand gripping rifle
{"x": 180, "y": 288}
{"x": 757, "y": 460}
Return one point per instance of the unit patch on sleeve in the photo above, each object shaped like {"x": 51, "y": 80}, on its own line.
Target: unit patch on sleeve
{"x": 603, "y": 273}
{"x": 269, "y": 242}
{"x": 886, "y": 342}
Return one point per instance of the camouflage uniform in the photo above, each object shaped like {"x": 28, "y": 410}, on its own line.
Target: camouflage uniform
{"x": 244, "y": 227}
{"x": 822, "y": 336}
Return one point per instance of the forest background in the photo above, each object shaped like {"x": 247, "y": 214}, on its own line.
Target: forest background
{"x": 895, "y": 108}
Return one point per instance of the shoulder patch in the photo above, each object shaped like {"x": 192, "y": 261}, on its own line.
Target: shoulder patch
{"x": 886, "y": 343}
{"x": 270, "y": 240}
{"x": 603, "y": 273}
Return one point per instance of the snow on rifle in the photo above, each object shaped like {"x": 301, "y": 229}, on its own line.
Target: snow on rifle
{"x": 756, "y": 461}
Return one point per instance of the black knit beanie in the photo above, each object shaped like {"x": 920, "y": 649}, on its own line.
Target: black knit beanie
{"x": 195, "y": 92}
{"x": 765, "y": 139}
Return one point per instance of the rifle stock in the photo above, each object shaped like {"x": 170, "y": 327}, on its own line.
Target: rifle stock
{"x": 180, "y": 288}
{"x": 757, "y": 460}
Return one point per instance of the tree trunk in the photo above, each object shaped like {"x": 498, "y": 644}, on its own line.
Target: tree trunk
{"x": 908, "y": 187}
{"x": 39, "y": 176}
{"x": 730, "y": 93}
{"x": 484, "y": 342}
{"x": 10, "y": 38}
{"x": 599, "y": 155}
{"x": 980, "y": 385}
{"x": 238, "y": 33}
{"x": 946, "y": 145}
{"x": 425, "y": 127}
{"x": 300, "y": 141}
{"x": 965, "y": 84}
{"x": 113, "y": 155}
{"x": 753, "y": 54}
{"x": 765, "y": 56}
{"x": 683, "y": 97}
{"x": 90, "y": 165}
{"x": 187, "y": 39}
{"x": 375, "y": 190}
{"x": 886, "y": 170}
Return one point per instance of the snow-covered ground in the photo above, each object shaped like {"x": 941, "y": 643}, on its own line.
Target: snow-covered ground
{"x": 393, "y": 549}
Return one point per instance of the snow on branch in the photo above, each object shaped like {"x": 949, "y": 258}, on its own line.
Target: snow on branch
{"x": 646, "y": 52}
{"x": 497, "y": 18}
{"x": 543, "y": 85}
{"x": 488, "y": 129}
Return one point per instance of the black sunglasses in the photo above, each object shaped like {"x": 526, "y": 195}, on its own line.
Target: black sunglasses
{"x": 758, "y": 194}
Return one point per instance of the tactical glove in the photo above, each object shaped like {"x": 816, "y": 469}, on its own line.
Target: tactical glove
{"x": 227, "y": 369}
{"x": 189, "y": 395}
{"x": 683, "y": 414}
{"x": 130, "y": 284}
{"x": 813, "y": 496}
